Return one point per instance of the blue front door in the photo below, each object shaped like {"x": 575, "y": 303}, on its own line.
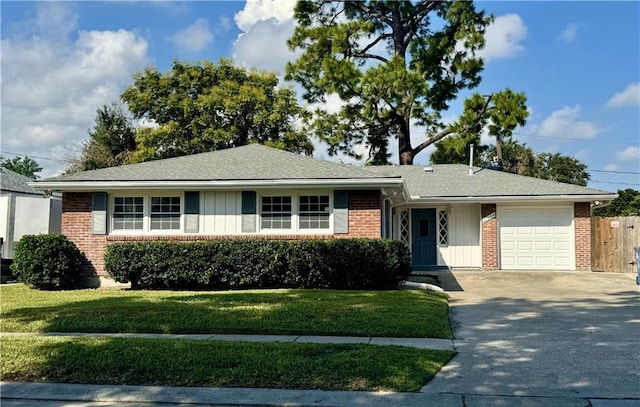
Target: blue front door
{"x": 423, "y": 237}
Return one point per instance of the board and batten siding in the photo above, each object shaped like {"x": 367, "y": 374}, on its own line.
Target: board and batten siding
{"x": 463, "y": 249}
{"x": 221, "y": 212}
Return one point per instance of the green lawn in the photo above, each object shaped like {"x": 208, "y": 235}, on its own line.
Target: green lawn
{"x": 218, "y": 364}
{"x": 401, "y": 313}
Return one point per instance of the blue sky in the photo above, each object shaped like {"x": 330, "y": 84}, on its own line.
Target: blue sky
{"x": 577, "y": 62}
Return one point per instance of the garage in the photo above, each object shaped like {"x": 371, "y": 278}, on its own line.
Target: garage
{"x": 536, "y": 238}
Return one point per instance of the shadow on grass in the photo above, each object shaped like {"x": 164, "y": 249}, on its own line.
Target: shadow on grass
{"x": 283, "y": 312}
{"x": 219, "y": 364}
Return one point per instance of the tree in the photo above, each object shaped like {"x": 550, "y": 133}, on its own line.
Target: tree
{"x": 390, "y": 62}
{"x": 517, "y": 159}
{"x": 561, "y": 168}
{"x": 626, "y": 204}
{"x": 205, "y": 107}
{"x": 22, "y": 165}
{"x": 111, "y": 142}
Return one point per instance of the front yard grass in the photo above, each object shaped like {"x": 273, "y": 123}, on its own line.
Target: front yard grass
{"x": 218, "y": 364}
{"x": 400, "y": 313}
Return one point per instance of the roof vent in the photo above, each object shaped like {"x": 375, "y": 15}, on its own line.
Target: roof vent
{"x": 428, "y": 169}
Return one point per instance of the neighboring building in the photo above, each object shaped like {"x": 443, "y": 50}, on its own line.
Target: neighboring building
{"x": 25, "y": 210}
{"x": 449, "y": 217}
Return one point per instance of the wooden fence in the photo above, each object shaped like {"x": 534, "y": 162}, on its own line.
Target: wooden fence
{"x": 612, "y": 243}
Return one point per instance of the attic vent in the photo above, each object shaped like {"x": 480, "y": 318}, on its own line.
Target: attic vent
{"x": 428, "y": 169}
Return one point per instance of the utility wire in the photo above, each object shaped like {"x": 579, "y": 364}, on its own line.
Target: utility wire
{"x": 33, "y": 156}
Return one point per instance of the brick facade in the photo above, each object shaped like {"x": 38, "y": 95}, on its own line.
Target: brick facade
{"x": 489, "y": 237}
{"x": 364, "y": 221}
{"x": 364, "y": 214}
{"x": 76, "y": 225}
{"x": 582, "y": 228}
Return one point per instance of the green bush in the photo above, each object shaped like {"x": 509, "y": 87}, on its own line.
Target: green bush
{"x": 255, "y": 263}
{"x": 47, "y": 262}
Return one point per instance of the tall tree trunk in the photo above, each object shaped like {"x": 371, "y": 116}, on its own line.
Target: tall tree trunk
{"x": 499, "y": 152}
{"x": 404, "y": 142}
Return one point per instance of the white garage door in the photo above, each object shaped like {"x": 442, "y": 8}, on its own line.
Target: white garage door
{"x": 539, "y": 238}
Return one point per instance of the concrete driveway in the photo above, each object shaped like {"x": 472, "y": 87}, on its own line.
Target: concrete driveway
{"x": 554, "y": 334}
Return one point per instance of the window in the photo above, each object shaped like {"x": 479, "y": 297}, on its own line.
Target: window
{"x": 443, "y": 228}
{"x": 314, "y": 212}
{"x": 128, "y": 213}
{"x": 404, "y": 226}
{"x": 165, "y": 213}
{"x": 276, "y": 212}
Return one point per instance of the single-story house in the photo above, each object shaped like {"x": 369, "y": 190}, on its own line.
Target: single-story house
{"x": 450, "y": 215}
{"x": 25, "y": 210}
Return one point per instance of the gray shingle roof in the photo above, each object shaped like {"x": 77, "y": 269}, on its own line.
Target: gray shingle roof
{"x": 13, "y": 182}
{"x": 252, "y": 162}
{"x": 452, "y": 180}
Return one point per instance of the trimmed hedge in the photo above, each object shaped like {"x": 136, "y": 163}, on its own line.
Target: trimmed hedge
{"x": 47, "y": 262}
{"x": 260, "y": 263}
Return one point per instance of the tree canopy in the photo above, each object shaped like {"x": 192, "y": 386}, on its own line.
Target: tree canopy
{"x": 111, "y": 142}
{"x": 391, "y": 63}
{"x": 22, "y": 165}
{"x": 202, "y": 107}
{"x": 517, "y": 158}
{"x": 626, "y": 204}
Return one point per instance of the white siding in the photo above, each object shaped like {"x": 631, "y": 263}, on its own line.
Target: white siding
{"x": 4, "y": 223}
{"x": 32, "y": 216}
{"x": 463, "y": 249}
{"x": 222, "y": 213}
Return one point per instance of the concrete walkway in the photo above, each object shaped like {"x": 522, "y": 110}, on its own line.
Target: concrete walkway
{"x": 420, "y": 343}
{"x": 15, "y": 394}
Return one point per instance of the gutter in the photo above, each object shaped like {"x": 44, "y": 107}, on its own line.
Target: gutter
{"x": 87, "y": 186}
{"x": 512, "y": 198}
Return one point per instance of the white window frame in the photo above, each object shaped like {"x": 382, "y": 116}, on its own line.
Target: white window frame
{"x": 146, "y": 202}
{"x": 295, "y": 212}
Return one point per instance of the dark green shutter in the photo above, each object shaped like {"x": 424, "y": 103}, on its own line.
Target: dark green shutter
{"x": 249, "y": 210}
{"x": 340, "y": 212}
{"x": 99, "y": 213}
{"x": 192, "y": 212}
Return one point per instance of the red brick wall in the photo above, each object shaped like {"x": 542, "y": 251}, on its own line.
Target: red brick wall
{"x": 364, "y": 221}
{"x": 489, "y": 237}
{"x": 364, "y": 214}
{"x": 582, "y": 228}
{"x": 76, "y": 225}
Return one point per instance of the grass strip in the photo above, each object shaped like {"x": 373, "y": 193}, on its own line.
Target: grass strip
{"x": 168, "y": 362}
{"x": 399, "y": 313}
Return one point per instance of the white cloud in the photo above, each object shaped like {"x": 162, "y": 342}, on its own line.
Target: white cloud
{"x": 566, "y": 123}
{"x": 629, "y": 154}
{"x": 612, "y": 167}
{"x": 504, "y": 37}
{"x": 569, "y": 32}
{"x": 194, "y": 38}
{"x": 264, "y": 46}
{"x": 630, "y": 96}
{"x": 52, "y": 86}
{"x": 255, "y": 11}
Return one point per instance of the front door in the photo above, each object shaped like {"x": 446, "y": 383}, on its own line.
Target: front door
{"x": 423, "y": 237}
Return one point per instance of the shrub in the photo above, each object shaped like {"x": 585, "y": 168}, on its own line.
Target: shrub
{"x": 47, "y": 262}
{"x": 260, "y": 263}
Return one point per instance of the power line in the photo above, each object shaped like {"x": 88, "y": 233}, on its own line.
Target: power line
{"x": 614, "y": 183}
{"x": 33, "y": 156}
{"x": 577, "y": 139}
{"x": 46, "y": 109}
{"x": 617, "y": 172}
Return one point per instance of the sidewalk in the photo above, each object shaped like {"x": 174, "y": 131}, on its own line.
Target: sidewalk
{"x": 52, "y": 394}
{"x": 420, "y": 343}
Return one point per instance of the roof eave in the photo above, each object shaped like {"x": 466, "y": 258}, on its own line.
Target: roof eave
{"x": 515, "y": 198}
{"x": 86, "y": 186}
